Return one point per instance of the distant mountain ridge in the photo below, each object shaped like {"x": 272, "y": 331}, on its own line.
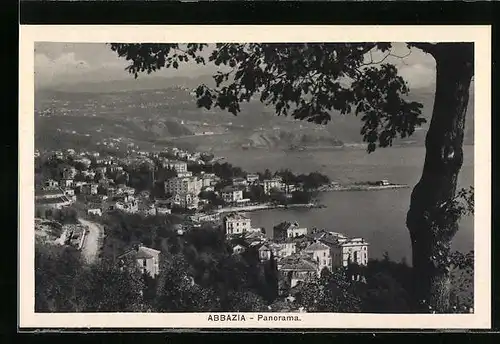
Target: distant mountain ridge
{"x": 158, "y": 107}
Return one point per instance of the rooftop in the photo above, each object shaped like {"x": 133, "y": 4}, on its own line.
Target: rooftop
{"x": 142, "y": 252}
{"x": 298, "y": 263}
{"x": 317, "y": 246}
{"x": 236, "y": 216}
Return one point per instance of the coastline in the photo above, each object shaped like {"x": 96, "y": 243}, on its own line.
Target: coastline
{"x": 267, "y": 206}
{"x": 362, "y": 187}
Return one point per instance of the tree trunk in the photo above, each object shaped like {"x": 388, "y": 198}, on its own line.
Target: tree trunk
{"x": 430, "y": 234}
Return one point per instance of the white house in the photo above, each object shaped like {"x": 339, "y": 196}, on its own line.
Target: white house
{"x": 237, "y": 224}
{"x": 232, "y": 194}
{"x": 346, "y": 250}
{"x": 66, "y": 183}
{"x": 294, "y": 230}
{"x": 272, "y": 184}
{"x": 94, "y": 211}
{"x": 145, "y": 258}
{"x": 187, "y": 200}
{"x": 321, "y": 254}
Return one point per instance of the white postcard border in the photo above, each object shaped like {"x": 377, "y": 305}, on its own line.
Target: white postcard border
{"x": 480, "y": 35}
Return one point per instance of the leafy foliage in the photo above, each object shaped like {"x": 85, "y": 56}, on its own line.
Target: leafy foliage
{"x": 307, "y": 81}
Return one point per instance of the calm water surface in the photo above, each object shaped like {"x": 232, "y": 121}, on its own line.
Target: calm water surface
{"x": 377, "y": 216}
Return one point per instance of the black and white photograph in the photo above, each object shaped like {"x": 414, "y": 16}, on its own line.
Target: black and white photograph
{"x": 261, "y": 183}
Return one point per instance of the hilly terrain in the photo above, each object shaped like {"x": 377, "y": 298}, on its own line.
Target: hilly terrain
{"x": 159, "y": 111}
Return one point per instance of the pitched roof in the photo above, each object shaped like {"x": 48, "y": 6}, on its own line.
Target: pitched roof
{"x": 301, "y": 264}
{"x": 316, "y": 247}
{"x": 142, "y": 252}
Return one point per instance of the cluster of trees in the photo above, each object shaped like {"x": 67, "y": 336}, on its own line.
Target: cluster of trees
{"x": 199, "y": 272}
{"x": 310, "y": 181}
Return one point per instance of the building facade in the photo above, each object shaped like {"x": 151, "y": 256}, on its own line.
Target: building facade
{"x": 237, "y": 224}
{"x": 145, "y": 258}
{"x": 272, "y": 184}
{"x": 232, "y": 194}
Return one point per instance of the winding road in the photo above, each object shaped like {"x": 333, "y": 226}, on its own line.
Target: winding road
{"x": 91, "y": 245}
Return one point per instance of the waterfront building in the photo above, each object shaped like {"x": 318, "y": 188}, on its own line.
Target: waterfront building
{"x": 272, "y": 184}
{"x": 237, "y": 223}
{"x": 231, "y": 194}
{"x": 293, "y": 230}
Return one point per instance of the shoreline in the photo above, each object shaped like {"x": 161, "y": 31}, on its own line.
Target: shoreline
{"x": 362, "y": 187}
{"x": 268, "y": 206}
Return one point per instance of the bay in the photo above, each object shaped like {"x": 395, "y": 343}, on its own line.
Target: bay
{"x": 377, "y": 216}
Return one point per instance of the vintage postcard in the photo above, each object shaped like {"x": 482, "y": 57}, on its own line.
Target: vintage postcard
{"x": 255, "y": 177}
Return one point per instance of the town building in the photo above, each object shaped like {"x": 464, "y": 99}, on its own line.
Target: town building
{"x": 238, "y": 249}
{"x": 66, "y": 183}
{"x": 176, "y": 165}
{"x": 129, "y": 206}
{"x": 208, "y": 179}
{"x": 147, "y": 209}
{"x": 89, "y": 174}
{"x": 94, "y": 211}
{"x": 252, "y": 178}
{"x": 115, "y": 168}
{"x": 205, "y": 217}
{"x": 293, "y": 230}
{"x": 272, "y": 184}
{"x": 51, "y": 198}
{"x": 185, "y": 174}
{"x": 264, "y": 252}
{"x": 284, "y": 249}
{"x": 145, "y": 258}
{"x": 231, "y": 194}
{"x": 237, "y": 223}
{"x": 321, "y": 254}
{"x": 183, "y": 185}
{"x": 297, "y": 268}
{"x": 84, "y": 161}
{"x": 163, "y": 210}
{"x": 50, "y": 183}
{"x": 69, "y": 173}
{"x": 187, "y": 200}
{"x": 241, "y": 182}
{"x": 89, "y": 189}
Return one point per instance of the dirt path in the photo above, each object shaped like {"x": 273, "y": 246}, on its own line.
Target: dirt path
{"x": 90, "y": 249}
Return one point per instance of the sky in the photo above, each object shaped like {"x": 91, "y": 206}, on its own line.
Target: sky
{"x": 61, "y": 63}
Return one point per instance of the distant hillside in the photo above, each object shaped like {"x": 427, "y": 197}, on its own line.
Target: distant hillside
{"x": 170, "y": 111}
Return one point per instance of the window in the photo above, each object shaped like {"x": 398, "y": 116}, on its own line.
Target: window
{"x": 144, "y": 262}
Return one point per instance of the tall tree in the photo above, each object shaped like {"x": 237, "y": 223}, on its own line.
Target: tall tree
{"x": 311, "y": 81}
